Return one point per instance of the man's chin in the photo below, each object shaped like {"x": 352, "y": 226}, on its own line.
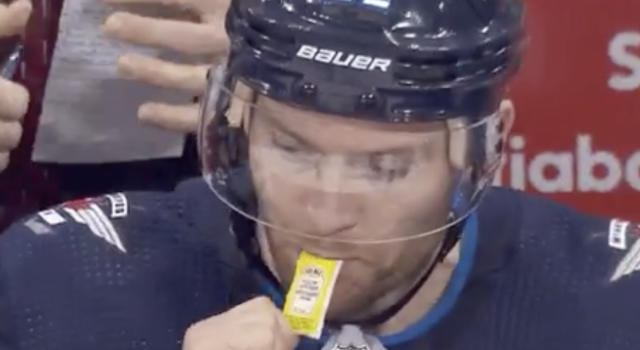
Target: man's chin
{"x": 362, "y": 306}
{"x": 339, "y": 318}
{"x": 350, "y": 311}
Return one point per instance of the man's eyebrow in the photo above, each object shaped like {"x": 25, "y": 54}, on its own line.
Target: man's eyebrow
{"x": 394, "y": 151}
{"x": 398, "y": 153}
{"x": 279, "y": 126}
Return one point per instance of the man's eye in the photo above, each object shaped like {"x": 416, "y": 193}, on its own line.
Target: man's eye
{"x": 389, "y": 166}
{"x": 287, "y": 144}
{"x": 289, "y": 148}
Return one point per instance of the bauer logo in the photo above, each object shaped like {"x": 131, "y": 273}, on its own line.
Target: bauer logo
{"x": 343, "y": 59}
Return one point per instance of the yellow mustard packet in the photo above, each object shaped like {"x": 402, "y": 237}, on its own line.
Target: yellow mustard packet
{"x": 310, "y": 293}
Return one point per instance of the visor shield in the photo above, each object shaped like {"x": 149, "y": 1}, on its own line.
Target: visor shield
{"x": 341, "y": 178}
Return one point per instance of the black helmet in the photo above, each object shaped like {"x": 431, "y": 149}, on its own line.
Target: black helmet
{"x": 387, "y": 60}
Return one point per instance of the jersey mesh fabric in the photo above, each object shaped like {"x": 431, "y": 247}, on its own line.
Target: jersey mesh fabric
{"x": 540, "y": 280}
{"x": 88, "y": 294}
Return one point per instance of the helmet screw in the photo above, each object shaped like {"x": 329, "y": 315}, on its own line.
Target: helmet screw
{"x": 368, "y": 100}
{"x": 308, "y": 89}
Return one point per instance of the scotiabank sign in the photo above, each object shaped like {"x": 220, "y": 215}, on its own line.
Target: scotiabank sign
{"x": 580, "y": 169}
{"x": 577, "y": 97}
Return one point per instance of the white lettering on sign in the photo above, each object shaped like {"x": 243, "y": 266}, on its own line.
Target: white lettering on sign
{"x": 620, "y": 54}
{"x": 569, "y": 170}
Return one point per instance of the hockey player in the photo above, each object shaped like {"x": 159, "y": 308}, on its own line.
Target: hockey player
{"x": 361, "y": 135}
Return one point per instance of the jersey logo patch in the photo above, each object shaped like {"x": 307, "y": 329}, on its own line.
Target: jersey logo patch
{"x": 620, "y": 234}
{"x": 51, "y": 217}
{"x": 351, "y": 337}
{"x": 99, "y": 224}
{"x": 119, "y": 205}
{"x": 86, "y": 212}
{"x": 37, "y": 227}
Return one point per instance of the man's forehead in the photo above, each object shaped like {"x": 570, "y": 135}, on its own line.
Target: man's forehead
{"x": 289, "y": 113}
{"x": 321, "y": 128}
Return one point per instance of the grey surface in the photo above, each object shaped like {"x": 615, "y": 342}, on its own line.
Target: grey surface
{"x": 89, "y": 113}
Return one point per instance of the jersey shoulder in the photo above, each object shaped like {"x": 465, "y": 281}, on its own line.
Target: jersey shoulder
{"x": 569, "y": 276}
{"x": 129, "y": 267}
{"x": 125, "y": 224}
{"x": 541, "y": 228}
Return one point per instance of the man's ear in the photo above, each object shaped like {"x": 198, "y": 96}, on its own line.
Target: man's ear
{"x": 507, "y": 114}
{"x": 504, "y": 123}
{"x": 240, "y": 105}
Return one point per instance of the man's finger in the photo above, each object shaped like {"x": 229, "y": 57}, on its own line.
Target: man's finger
{"x": 191, "y": 78}
{"x": 14, "y": 100}
{"x": 288, "y": 338}
{"x": 10, "y": 133}
{"x": 181, "y": 36}
{"x": 170, "y": 117}
{"x": 188, "y": 4}
{"x": 4, "y": 160}
{"x": 202, "y": 6}
{"x": 14, "y": 17}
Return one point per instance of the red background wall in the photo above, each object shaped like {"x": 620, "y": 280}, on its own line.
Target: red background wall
{"x": 564, "y": 91}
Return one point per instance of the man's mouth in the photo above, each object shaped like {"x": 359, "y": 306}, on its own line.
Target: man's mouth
{"x": 327, "y": 254}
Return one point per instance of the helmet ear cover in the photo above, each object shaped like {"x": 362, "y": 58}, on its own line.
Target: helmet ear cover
{"x": 227, "y": 143}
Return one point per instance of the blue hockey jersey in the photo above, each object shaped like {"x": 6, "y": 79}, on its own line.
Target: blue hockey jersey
{"x": 134, "y": 270}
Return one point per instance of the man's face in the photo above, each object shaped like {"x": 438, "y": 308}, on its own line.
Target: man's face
{"x": 342, "y": 183}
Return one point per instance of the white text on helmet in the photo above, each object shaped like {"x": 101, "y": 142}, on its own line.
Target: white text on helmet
{"x": 342, "y": 59}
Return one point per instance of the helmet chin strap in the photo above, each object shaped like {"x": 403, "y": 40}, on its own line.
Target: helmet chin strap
{"x": 265, "y": 250}
{"x": 449, "y": 241}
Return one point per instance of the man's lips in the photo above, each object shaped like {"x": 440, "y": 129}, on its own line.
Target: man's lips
{"x": 328, "y": 254}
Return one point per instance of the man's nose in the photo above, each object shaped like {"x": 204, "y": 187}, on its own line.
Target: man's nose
{"x": 331, "y": 214}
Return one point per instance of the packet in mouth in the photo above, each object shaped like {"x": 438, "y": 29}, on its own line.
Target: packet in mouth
{"x": 308, "y": 297}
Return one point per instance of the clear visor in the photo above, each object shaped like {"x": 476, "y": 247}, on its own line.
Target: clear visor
{"x": 341, "y": 179}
